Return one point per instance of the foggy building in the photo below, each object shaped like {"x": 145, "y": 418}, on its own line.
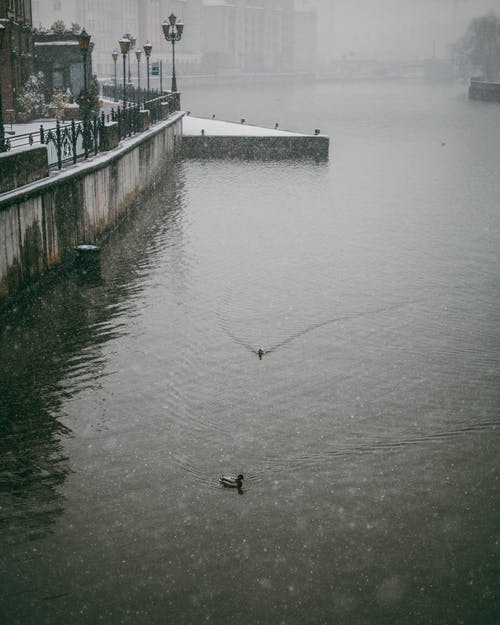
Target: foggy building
{"x": 46, "y": 12}
{"x": 255, "y": 35}
{"x": 305, "y": 36}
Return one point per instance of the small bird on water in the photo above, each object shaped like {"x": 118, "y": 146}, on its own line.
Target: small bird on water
{"x": 260, "y": 353}
{"x": 231, "y": 482}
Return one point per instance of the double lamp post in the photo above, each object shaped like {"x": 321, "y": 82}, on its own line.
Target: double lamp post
{"x": 172, "y": 31}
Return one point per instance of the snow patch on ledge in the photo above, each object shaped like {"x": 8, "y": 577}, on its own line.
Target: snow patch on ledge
{"x": 192, "y": 126}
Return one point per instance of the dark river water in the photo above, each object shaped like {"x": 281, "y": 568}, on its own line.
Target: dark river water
{"x": 368, "y": 432}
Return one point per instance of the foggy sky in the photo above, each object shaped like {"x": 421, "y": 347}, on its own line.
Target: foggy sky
{"x": 395, "y": 29}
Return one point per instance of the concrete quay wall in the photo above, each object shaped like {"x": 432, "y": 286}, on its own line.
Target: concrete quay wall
{"x": 486, "y": 91}
{"x": 270, "y": 147}
{"x": 42, "y": 222}
{"x": 22, "y": 166}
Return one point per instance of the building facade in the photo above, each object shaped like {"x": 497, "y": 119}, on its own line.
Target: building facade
{"x": 105, "y": 21}
{"x": 60, "y": 60}
{"x": 16, "y": 53}
{"x": 306, "y": 36}
{"x": 248, "y": 35}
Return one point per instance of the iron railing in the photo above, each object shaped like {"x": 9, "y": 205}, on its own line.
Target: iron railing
{"x": 65, "y": 143}
{"x": 156, "y": 106}
{"x": 76, "y": 140}
{"x": 146, "y": 99}
{"x": 132, "y": 94}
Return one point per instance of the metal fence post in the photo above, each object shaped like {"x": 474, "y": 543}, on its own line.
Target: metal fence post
{"x": 73, "y": 139}
{"x": 96, "y": 134}
{"x": 58, "y": 145}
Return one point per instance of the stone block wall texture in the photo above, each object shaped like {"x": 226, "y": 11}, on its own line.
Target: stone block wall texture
{"x": 164, "y": 110}
{"x": 256, "y": 148}
{"x": 22, "y": 167}
{"x": 144, "y": 121}
{"x": 110, "y": 136}
{"x": 41, "y": 225}
{"x": 486, "y": 91}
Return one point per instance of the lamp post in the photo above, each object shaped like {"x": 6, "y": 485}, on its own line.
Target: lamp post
{"x": 114, "y": 54}
{"x": 173, "y": 33}
{"x": 132, "y": 40}
{"x": 124, "y": 48}
{"x": 138, "y": 57}
{"x": 3, "y": 147}
{"x": 147, "y": 51}
{"x": 84, "y": 42}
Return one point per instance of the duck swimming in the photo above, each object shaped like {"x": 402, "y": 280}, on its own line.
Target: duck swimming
{"x": 231, "y": 482}
{"x": 260, "y": 353}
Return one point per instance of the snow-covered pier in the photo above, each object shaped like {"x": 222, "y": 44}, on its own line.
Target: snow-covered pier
{"x": 210, "y": 138}
{"x": 44, "y": 217}
{"x": 486, "y": 91}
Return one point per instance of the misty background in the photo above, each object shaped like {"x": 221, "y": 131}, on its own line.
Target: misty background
{"x": 274, "y": 35}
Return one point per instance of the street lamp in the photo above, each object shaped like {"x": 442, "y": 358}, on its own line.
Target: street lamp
{"x": 138, "y": 57}
{"x": 173, "y": 33}
{"x": 84, "y": 42}
{"x": 147, "y": 51}
{"x": 3, "y": 147}
{"x": 124, "y": 48}
{"x": 114, "y": 54}
{"x": 132, "y": 40}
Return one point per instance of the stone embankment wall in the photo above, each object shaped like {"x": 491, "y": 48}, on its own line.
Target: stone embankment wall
{"x": 256, "y": 147}
{"x": 486, "y": 91}
{"x": 22, "y": 167}
{"x": 42, "y": 222}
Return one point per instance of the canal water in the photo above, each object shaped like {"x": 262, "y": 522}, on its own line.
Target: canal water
{"x": 368, "y": 432}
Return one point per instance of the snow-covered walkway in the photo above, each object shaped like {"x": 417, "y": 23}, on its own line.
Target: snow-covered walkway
{"x": 192, "y": 126}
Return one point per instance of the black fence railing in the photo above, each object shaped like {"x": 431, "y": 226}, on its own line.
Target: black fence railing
{"x": 71, "y": 142}
{"x": 133, "y": 94}
{"x": 76, "y": 140}
{"x": 128, "y": 120}
{"x": 156, "y": 106}
{"x": 65, "y": 142}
